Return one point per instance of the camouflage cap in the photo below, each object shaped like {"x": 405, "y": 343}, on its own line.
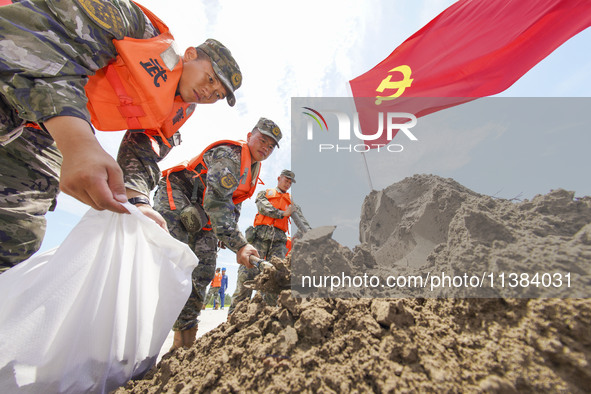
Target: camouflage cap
{"x": 268, "y": 127}
{"x": 224, "y": 66}
{"x": 289, "y": 174}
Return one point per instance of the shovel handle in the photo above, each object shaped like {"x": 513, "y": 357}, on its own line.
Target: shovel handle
{"x": 256, "y": 261}
{"x": 259, "y": 263}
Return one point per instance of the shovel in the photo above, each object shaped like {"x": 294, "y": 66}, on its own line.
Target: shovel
{"x": 259, "y": 263}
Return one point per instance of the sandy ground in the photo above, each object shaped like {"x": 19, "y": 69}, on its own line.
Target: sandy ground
{"x": 208, "y": 320}
{"x": 508, "y": 338}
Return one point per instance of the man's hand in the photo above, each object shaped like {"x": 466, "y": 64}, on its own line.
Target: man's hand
{"x": 147, "y": 209}
{"x": 88, "y": 173}
{"x": 152, "y": 214}
{"x": 288, "y": 211}
{"x": 244, "y": 253}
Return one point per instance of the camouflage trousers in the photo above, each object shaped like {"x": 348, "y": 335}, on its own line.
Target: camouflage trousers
{"x": 268, "y": 241}
{"x": 204, "y": 245}
{"x": 214, "y": 292}
{"x": 242, "y": 293}
{"x": 29, "y": 185}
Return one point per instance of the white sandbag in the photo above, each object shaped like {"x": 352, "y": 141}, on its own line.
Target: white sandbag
{"x": 94, "y": 312}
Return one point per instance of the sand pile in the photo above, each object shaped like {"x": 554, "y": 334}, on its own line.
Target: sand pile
{"x": 412, "y": 344}
{"x": 427, "y": 225}
{"x": 434, "y": 345}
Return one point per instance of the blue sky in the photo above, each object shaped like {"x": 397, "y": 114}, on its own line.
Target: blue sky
{"x": 309, "y": 49}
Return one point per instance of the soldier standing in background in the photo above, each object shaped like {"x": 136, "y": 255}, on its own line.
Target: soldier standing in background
{"x": 201, "y": 201}
{"x": 214, "y": 290}
{"x": 269, "y": 234}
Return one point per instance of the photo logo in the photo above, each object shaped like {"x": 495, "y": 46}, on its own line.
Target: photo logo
{"x": 389, "y": 124}
{"x": 315, "y": 118}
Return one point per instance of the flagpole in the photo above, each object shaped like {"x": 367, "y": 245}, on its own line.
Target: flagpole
{"x": 353, "y": 110}
{"x": 367, "y": 172}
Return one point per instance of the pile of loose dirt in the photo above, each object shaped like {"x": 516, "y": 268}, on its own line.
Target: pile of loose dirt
{"x": 455, "y": 344}
{"x": 380, "y": 345}
{"x": 430, "y": 225}
{"x": 273, "y": 279}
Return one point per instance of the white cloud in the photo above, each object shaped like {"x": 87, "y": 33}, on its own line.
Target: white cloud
{"x": 431, "y": 8}
{"x": 304, "y": 48}
{"x": 284, "y": 50}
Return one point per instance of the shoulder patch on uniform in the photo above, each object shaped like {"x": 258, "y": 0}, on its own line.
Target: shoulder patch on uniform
{"x": 222, "y": 151}
{"x": 228, "y": 181}
{"x": 103, "y": 13}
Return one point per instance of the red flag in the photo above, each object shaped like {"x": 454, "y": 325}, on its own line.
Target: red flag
{"x": 474, "y": 48}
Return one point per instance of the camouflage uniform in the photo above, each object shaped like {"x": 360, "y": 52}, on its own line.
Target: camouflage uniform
{"x": 31, "y": 186}
{"x": 242, "y": 293}
{"x": 48, "y": 50}
{"x": 269, "y": 241}
{"x": 214, "y": 292}
{"x": 223, "y": 214}
{"x": 49, "y": 47}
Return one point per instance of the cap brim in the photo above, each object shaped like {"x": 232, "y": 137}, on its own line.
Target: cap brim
{"x": 229, "y": 89}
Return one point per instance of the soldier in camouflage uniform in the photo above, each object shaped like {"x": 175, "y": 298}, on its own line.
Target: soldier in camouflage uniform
{"x": 49, "y": 48}
{"x": 211, "y": 193}
{"x": 214, "y": 290}
{"x": 269, "y": 233}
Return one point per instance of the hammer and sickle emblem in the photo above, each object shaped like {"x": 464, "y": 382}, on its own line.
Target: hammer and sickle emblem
{"x": 400, "y": 86}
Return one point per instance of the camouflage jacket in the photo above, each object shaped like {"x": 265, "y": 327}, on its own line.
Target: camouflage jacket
{"x": 215, "y": 195}
{"x": 49, "y": 47}
{"x": 265, "y": 207}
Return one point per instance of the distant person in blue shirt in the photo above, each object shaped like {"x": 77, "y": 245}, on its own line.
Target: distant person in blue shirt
{"x": 223, "y": 287}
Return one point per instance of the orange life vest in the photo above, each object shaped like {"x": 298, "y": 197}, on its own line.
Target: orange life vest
{"x": 247, "y": 182}
{"x": 280, "y": 201}
{"x": 138, "y": 89}
{"x": 217, "y": 280}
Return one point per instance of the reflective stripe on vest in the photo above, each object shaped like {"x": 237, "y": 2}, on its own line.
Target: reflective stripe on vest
{"x": 138, "y": 89}
{"x": 280, "y": 201}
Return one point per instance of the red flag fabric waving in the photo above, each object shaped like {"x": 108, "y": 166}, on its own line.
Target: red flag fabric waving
{"x": 474, "y": 48}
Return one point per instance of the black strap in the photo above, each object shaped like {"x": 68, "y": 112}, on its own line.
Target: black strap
{"x": 139, "y": 200}
{"x": 195, "y": 195}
